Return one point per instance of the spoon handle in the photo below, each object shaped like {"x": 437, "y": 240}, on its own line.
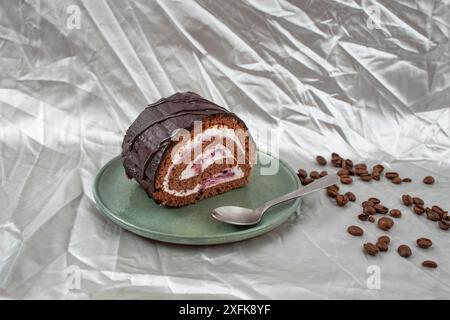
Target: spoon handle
{"x": 314, "y": 186}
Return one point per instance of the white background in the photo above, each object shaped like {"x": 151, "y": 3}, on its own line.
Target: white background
{"x": 321, "y": 75}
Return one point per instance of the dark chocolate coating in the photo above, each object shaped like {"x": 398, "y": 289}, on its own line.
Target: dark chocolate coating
{"x": 149, "y": 136}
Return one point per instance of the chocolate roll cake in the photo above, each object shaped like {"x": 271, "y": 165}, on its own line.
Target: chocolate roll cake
{"x": 184, "y": 148}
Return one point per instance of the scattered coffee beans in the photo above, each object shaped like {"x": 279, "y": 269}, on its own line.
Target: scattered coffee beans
{"x": 376, "y": 176}
{"x": 346, "y": 180}
{"x": 363, "y": 216}
{"x": 384, "y": 239}
{"x": 433, "y": 216}
{"x": 429, "y": 264}
{"x": 424, "y": 243}
{"x": 395, "y": 213}
{"x": 355, "y": 231}
{"x": 306, "y": 181}
{"x": 351, "y": 196}
{"x": 418, "y": 209}
{"x": 341, "y": 200}
{"x": 382, "y": 246}
{"x": 407, "y": 200}
{"x": 332, "y": 193}
{"x": 391, "y": 175}
{"x": 381, "y": 209}
{"x": 342, "y": 172}
{"x": 369, "y": 210}
{"x": 368, "y": 204}
{"x": 428, "y": 180}
{"x": 302, "y": 174}
{"x": 385, "y": 223}
{"x": 314, "y": 175}
{"x": 378, "y": 168}
{"x": 360, "y": 172}
{"x": 404, "y": 251}
{"x": 321, "y": 160}
{"x": 371, "y": 249}
{"x": 438, "y": 209}
{"x": 444, "y": 225}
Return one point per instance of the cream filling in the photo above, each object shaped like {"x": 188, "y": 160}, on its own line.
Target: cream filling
{"x": 201, "y": 163}
{"x": 221, "y": 177}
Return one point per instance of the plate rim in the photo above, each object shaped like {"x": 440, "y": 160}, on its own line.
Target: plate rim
{"x": 234, "y": 236}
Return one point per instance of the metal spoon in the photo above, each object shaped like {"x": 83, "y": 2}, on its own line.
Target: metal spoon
{"x": 245, "y": 216}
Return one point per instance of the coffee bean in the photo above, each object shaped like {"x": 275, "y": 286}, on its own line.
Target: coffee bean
{"x": 332, "y": 193}
{"x": 428, "y": 180}
{"x": 334, "y": 155}
{"x": 384, "y": 239}
{"x": 407, "y": 200}
{"x": 376, "y": 176}
{"x": 346, "y": 180}
{"x": 314, "y": 175}
{"x": 417, "y": 200}
{"x": 381, "y": 209}
{"x": 321, "y": 160}
{"x": 438, "y": 209}
{"x": 341, "y": 200}
{"x": 371, "y": 219}
{"x": 369, "y": 210}
{"x": 349, "y": 164}
{"x": 334, "y": 187}
{"x": 302, "y": 174}
{"x": 323, "y": 173}
{"x": 407, "y": 180}
{"x": 351, "y": 196}
{"x": 429, "y": 264}
{"x": 418, "y": 209}
{"x": 306, "y": 181}
{"x": 360, "y": 166}
{"x": 395, "y": 213}
{"x": 382, "y": 246}
{"x": 391, "y": 175}
{"x": 378, "y": 168}
{"x": 368, "y": 204}
{"x": 424, "y": 243}
{"x": 355, "y": 231}
{"x": 404, "y": 251}
{"x": 385, "y": 223}
{"x": 360, "y": 172}
{"x": 365, "y": 177}
{"x": 433, "y": 216}
{"x": 374, "y": 200}
{"x": 444, "y": 225}
{"x": 342, "y": 172}
{"x": 371, "y": 249}
{"x": 336, "y": 162}
{"x": 363, "y": 217}
{"x": 396, "y": 180}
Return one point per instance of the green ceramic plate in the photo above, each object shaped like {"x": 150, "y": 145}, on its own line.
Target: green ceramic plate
{"x": 126, "y": 203}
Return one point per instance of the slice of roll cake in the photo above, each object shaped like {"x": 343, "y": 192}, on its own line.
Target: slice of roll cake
{"x": 184, "y": 148}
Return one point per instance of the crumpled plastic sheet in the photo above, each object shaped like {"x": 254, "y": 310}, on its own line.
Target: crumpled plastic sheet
{"x": 367, "y": 79}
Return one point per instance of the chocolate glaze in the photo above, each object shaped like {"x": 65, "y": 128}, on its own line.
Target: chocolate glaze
{"x": 149, "y": 136}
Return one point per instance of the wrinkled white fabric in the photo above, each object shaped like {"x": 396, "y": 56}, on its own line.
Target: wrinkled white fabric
{"x": 321, "y": 76}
